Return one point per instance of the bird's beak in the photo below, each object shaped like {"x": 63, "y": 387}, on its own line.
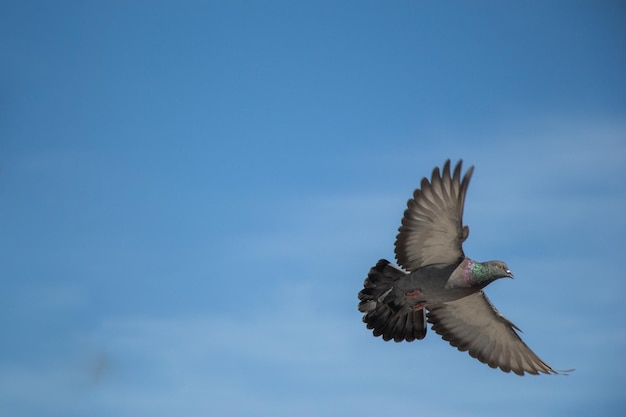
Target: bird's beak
{"x": 509, "y": 274}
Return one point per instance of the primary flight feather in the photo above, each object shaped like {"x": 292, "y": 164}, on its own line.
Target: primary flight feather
{"x": 436, "y": 282}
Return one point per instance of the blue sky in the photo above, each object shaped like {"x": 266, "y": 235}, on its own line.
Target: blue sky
{"x": 191, "y": 194}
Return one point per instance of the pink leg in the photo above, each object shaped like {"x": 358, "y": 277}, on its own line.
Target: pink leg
{"x": 419, "y": 306}
{"x": 413, "y": 294}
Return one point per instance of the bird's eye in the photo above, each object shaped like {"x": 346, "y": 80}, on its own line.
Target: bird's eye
{"x": 499, "y": 266}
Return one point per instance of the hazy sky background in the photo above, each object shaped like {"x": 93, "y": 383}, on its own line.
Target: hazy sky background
{"x": 192, "y": 192}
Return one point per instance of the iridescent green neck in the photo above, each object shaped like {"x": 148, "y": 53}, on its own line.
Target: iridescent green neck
{"x": 480, "y": 271}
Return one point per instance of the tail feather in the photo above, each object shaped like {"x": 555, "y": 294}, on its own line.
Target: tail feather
{"x": 382, "y": 314}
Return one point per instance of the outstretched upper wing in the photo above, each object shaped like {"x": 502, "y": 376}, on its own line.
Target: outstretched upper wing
{"x": 473, "y": 324}
{"x": 432, "y": 230}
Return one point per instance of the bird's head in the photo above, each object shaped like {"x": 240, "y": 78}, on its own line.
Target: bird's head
{"x": 486, "y": 272}
{"x": 498, "y": 269}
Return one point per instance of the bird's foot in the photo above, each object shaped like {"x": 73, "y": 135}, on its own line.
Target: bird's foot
{"x": 419, "y": 306}
{"x": 413, "y": 294}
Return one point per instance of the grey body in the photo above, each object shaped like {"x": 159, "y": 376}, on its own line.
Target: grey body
{"x": 435, "y": 282}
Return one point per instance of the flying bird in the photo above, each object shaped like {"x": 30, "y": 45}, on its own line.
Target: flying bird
{"x": 436, "y": 282}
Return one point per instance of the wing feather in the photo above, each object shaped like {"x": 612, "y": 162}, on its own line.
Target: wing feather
{"x": 473, "y": 324}
{"x": 432, "y": 230}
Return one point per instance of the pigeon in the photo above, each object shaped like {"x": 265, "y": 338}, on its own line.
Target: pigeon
{"x": 436, "y": 283}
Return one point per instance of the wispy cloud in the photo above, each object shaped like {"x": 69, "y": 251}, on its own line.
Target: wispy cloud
{"x": 287, "y": 340}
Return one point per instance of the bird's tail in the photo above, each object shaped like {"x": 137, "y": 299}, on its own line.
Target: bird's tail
{"x": 382, "y": 315}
